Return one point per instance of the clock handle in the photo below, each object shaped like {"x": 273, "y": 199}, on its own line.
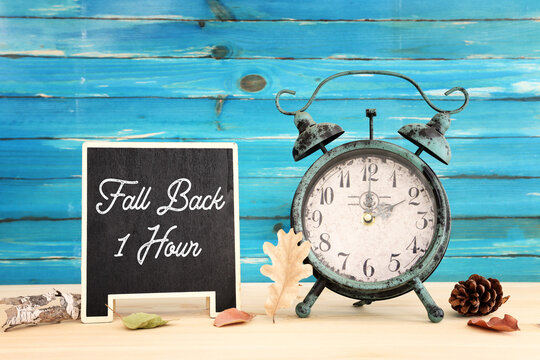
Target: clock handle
{"x": 375, "y": 72}
{"x": 435, "y": 313}
{"x": 303, "y": 309}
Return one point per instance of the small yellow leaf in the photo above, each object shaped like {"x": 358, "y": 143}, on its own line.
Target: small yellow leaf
{"x": 143, "y": 321}
{"x": 140, "y": 320}
{"x": 286, "y": 271}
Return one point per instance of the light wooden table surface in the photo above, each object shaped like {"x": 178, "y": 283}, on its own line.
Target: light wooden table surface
{"x": 394, "y": 329}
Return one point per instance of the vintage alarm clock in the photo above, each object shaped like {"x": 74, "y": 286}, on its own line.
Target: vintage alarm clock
{"x": 376, "y": 215}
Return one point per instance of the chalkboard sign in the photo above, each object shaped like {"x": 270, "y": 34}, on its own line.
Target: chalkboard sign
{"x": 159, "y": 220}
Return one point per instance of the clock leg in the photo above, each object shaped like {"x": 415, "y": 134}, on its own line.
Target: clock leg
{"x": 304, "y": 308}
{"x": 435, "y": 313}
{"x": 362, "y": 303}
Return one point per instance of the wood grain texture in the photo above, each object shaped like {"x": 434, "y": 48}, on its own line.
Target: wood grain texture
{"x": 298, "y": 40}
{"x": 247, "y": 119}
{"x": 76, "y": 70}
{"x": 271, "y": 158}
{"x": 67, "y": 271}
{"x": 471, "y": 237}
{"x": 271, "y": 197}
{"x": 275, "y": 9}
{"x": 192, "y": 78}
{"x": 332, "y": 329}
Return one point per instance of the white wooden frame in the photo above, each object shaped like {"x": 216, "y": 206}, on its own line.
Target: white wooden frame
{"x": 210, "y": 295}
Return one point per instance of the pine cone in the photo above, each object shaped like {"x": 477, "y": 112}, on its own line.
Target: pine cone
{"x": 477, "y": 296}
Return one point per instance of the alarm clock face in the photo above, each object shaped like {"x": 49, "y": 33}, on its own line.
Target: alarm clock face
{"x": 370, "y": 215}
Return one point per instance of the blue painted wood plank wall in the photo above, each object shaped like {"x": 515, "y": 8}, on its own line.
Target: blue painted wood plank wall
{"x": 155, "y": 70}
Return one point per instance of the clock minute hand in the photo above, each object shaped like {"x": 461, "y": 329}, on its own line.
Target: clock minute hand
{"x": 369, "y": 198}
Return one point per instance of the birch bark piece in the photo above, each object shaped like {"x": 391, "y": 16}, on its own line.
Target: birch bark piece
{"x": 51, "y": 307}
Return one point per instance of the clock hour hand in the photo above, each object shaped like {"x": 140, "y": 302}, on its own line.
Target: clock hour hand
{"x": 386, "y": 209}
{"x": 392, "y": 206}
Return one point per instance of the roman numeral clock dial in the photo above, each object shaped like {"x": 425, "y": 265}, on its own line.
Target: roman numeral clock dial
{"x": 376, "y": 215}
{"x": 370, "y": 217}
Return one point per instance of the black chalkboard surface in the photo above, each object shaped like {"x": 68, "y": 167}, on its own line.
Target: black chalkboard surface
{"x": 159, "y": 220}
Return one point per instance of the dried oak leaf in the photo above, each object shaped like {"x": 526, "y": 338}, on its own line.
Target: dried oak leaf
{"x": 232, "y": 316}
{"x": 508, "y": 323}
{"x": 286, "y": 271}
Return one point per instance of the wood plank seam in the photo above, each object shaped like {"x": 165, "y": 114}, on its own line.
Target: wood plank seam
{"x": 226, "y": 20}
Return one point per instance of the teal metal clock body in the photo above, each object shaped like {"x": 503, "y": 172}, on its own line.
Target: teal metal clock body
{"x": 376, "y": 215}
{"x": 428, "y": 258}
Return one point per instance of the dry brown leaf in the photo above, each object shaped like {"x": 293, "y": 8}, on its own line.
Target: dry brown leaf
{"x": 232, "y": 316}
{"x": 508, "y": 323}
{"x": 286, "y": 271}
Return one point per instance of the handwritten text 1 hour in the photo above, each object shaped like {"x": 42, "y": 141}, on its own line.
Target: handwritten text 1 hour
{"x": 126, "y": 195}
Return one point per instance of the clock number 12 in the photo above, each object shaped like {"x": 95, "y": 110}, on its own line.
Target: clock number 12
{"x": 370, "y": 170}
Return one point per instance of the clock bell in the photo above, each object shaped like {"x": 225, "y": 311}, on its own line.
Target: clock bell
{"x": 428, "y": 137}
